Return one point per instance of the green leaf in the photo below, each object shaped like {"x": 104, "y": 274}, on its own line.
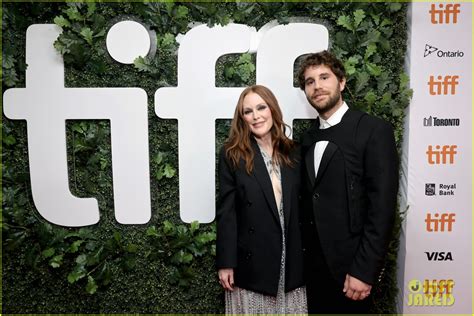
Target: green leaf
{"x": 346, "y": 22}
{"x": 91, "y": 6}
{"x": 396, "y": 6}
{"x": 372, "y": 36}
{"x": 194, "y": 226}
{"x": 169, "y": 171}
{"x": 404, "y": 80}
{"x": 151, "y": 231}
{"x": 10, "y": 77}
{"x": 61, "y": 21}
{"x": 370, "y": 50}
{"x": 160, "y": 174}
{"x": 117, "y": 237}
{"x": 8, "y": 61}
{"x": 370, "y": 97}
{"x": 56, "y": 261}
{"x": 74, "y": 247}
{"x": 91, "y": 286}
{"x": 386, "y": 97}
{"x": 168, "y": 40}
{"x": 374, "y": 69}
{"x": 362, "y": 79}
{"x": 9, "y": 140}
{"x": 181, "y": 257}
{"x": 74, "y": 14}
{"x": 87, "y": 34}
{"x": 350, "y": 64}
{"x": 48, "y": 252}
{"x": 81, "y": 259}
{"x": 359, "y": 15}
{"x": 131, "y": 248}
{"x": 142, "y": 64}
{"x": 168, "y": 227}
{"x": 158, "y": 158}
{"x": 78, "y": 273}
{"x": 181, "y": 12}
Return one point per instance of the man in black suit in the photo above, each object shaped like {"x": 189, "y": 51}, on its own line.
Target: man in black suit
{"x": 350, "y": 183}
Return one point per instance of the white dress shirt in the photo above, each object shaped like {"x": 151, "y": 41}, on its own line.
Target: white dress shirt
{"x": 323, "y": 124}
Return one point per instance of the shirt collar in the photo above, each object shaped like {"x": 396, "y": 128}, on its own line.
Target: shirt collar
{"x": 335, "y": 118}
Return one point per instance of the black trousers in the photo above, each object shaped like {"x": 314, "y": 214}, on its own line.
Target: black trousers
{"x": 325, "y": 295}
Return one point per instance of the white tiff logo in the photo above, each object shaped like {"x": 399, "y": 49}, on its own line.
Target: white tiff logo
{"x": 196, "y": 103}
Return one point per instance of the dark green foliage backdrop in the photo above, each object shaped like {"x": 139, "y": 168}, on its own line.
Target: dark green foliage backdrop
{"x": 164, "y": 266}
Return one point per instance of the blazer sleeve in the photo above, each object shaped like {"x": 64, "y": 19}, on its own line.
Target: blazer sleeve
{"x": 381, "y": 184}
{"x": 226, "y": 244}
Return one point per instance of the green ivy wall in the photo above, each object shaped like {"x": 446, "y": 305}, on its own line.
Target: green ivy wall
{"x": 165, "y": 266}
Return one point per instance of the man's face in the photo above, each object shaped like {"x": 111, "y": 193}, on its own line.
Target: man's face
{"x": 323, "y": 89}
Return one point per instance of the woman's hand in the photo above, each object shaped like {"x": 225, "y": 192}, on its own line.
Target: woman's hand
{"x": 226, "y": 278}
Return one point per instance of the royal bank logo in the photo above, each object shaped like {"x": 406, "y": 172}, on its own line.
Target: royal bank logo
{"x": 445, "y": 189}
{"x": 436, "y": 292}
{"x": 442, "y": 53}
{"x": 430, "y": 189}
{"x": 434, "y": 121}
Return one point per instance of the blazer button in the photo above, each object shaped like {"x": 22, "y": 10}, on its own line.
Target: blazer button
{"x": 251, "y": 230}
{"x": 316, "y": 195}
{"x": 249, "y": 203}
{"x": 248, "y": 256}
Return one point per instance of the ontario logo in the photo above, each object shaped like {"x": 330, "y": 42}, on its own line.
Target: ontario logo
{"x": 431, "y": 292}
{"x": 442, "y": 53}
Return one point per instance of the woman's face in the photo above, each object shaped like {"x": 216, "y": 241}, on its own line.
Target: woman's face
{"x": 257, "y": 115}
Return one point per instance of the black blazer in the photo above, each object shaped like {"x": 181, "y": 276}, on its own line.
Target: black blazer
{"x": 249, "y": 236}
{"x": 350, "y": 211}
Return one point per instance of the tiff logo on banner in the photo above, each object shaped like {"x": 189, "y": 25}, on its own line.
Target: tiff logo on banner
{"x": 439, "y": 222}
{"x": 440, "y": 156}
{"x": 444, "y": 14}
{"x": 46, "y": 104}
{"x": 443, "y": 86}
{"x": 436, "y": 292}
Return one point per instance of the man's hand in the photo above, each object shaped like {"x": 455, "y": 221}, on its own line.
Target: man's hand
{"x": 226, "y": 278}
{"x": 356, "y": 289}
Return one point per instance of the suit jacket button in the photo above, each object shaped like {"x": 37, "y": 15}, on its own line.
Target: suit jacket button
{"x": 248, "y": 256}
{"x": 251, "y": 230}
{"x": 316, "y": 195}
{"x": 249, "y": 203}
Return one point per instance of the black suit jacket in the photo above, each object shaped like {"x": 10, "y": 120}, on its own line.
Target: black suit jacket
{"x": 350, "y": 211}
{"x": 249, "y": 235}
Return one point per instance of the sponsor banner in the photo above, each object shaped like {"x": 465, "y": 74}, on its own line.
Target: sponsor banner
{"x": 437, "y": 271}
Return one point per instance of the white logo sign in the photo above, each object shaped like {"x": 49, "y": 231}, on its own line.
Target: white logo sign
{"x": 196, "y": 102}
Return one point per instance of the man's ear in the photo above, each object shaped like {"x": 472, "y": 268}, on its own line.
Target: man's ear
{"x": 342, "y": 84}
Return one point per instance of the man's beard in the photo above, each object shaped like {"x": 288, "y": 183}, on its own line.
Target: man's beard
{"x": 326, "y": 106}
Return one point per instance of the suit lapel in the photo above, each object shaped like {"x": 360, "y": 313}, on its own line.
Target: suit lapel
{"x": 286, "y": 192}
{"x": 263, "y": 178}
{"x": 327, "y": 156}
{"x": 309, "y": 163}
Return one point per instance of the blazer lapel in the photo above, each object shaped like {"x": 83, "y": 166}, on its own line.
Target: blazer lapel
{"x": 286, "y": 193}
{"x": 309, "y": 163}
{"x": 261, "y": 174}
{"x": 327, "y": 156}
